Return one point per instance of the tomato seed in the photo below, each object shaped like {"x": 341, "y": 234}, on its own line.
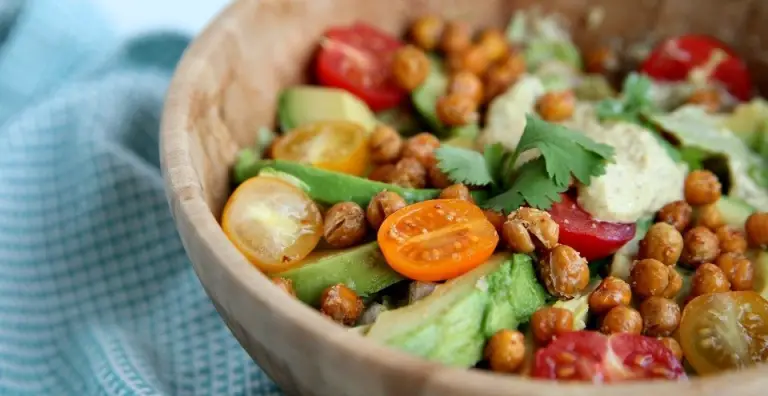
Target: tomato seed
{"x": 565, "y": 372}
{"x": 566, "y": 357}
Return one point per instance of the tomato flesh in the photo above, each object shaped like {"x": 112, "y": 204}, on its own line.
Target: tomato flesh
{"x": 358, "y": 58}
{"x": 725, "y": 331}
{"x": 593, "y": 239}
{"x": 437, "y": 240}
{"x": 593, "y": 357}
{"x": 272, "y": 222}
{"x": 674, "y": 58}
{"x": 339, "y": 146}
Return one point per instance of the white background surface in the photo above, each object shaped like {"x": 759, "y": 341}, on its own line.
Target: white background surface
{"x": 134, "y": 16}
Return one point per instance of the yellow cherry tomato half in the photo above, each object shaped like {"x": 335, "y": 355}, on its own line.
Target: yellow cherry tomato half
{"x": 724, "y": 331}
{"x": 340, "y": 146}
{"x": 272, "y": 222}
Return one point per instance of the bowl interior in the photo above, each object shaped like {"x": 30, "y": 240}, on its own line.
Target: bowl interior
{"x": 226, "y": 88}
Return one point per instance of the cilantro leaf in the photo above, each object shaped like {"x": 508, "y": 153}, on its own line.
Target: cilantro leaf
{"x": 494, "y": 159}
{"x": 565, "y": 151}
{"x": 636, "y": 98}
{"x": 463, "y": 166}
{"x": 533, "y": 185}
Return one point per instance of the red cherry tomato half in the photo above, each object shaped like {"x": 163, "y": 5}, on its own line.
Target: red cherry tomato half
{"x": 358, "y": 58}
{"x": 593, "y": 239}
{"x": 673, "y": 58}
{"x": 593, "y": 357}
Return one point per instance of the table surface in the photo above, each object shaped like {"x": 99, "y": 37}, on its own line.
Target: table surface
{"x": 136, "y": 16}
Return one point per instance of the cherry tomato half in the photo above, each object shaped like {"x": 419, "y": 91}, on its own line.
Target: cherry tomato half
{"x": 340, "y": 146}
{"x": 358, "y": 58}
{"x": 674, "y": 58}
{"x": 437, "y": 240}
{"x": 272, "y": 222}
{"x": 725, "y": 331}
{"x": 593, "y": 357}
{"x": 592, "y": 238}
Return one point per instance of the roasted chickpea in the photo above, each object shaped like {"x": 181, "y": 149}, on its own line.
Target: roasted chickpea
{"x": 466, "y": 84}
{"x": 493, "y": 42}
{"x": 674, "y": 284}
{"x": 456, "y": 110}
{"x": 410, "y": 67}
{"x": 601, "y": 60}
{"x": 677, "y": 213}
{"x": 426, "y": 31}
{"x": 381, "y": 206}
{"x": 708, "y": 279}
{"x": 611, "y": 293}
{"x": 700, "y": 245}
{"x": 456, "y": 37}
{"x": 737, "y": 269}
{"x": 409, "y": 173}
{"x": 505, "y": 351}
{"x": 472, "y": 59}
{"x": 528, "y": 228}
{"x": 385, "y": 144}
{"x": 556, "y": 106}
{"x": 709, "y": 216}
{"x": 731, "y": 239}
{"x": 421, "y": 147}
{"x": 501, "y": 75}
{"x": 270, "y": 152}
{"x": 456, "y": 191}
{"x": 661, "y": 316}
{"x": 549, "y": 322}
{"x": 621, "y": 319}
{"x": 663, "y": 242}
{"x": 757, "y": 229}
{"x": 708, "y": 98}
{"x": 437, "y": 178}
{"x": 673, "y": 346}
{"x": 564, "y": 272}
{"x": 285, "y": 284}
{"x": 496, "y": 218}
{"x": 344, "y": 225}
{"x": 382, "y": 173}
{"x": 341, "y": 304}
{"x": 649, "y": 277}
{"x": 701, "y": 188}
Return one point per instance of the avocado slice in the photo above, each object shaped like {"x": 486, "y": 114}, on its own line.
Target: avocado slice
{"x": 579, "y": 306}
{"x": 403, "y": 118}
{"x": 303, "y": 104}
{"x": 622, "y": 259}
{"x": 734, "y": 211}
{"x": 328, "y": 187}
{"x": 452, "y": 324}
{"x": 362, "y": 268}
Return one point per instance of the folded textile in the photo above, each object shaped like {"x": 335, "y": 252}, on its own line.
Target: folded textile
{"x": 97, "y": 296}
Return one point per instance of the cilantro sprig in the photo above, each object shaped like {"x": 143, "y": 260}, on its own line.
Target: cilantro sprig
{"x": 537, "y": 182}
{"x": 635, "y": 99}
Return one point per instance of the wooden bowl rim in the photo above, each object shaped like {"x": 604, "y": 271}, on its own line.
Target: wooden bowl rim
{"x": 185, "y": 195}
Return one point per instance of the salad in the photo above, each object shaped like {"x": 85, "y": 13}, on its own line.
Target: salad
{"x": 505, "y": 200}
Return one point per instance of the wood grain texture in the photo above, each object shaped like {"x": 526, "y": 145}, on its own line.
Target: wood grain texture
{"x": 225, "y": 88}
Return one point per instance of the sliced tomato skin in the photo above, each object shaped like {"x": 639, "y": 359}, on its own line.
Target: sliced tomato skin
{"x": 590, "y": 356}
{"x": 593, "y": 239}
{"x": 370, "y": 80}
{"x": 672, "y": 59}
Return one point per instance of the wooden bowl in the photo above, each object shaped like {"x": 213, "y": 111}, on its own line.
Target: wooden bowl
{"x": 226, "y": 87}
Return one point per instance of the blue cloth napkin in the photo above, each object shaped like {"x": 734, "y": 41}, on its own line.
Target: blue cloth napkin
{"x": 96, "y": 294}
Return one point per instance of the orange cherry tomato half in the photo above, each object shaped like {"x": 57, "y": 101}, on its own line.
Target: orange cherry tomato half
{"x": 272, "y": 222}
{"x": 339, "y": 146}
{"x": 725, "y": 331}
{"x": 437, "y": 240}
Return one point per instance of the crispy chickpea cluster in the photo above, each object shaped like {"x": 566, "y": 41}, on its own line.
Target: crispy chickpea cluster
{"x": 409, "y": 173}
{"x": 661, "y": 316}
{"x": 662, "y": 242}
{"x": 564, "y": 272}
{"x": 456, "y": 191}
{"x": 505, "y": 351}
{"x": 702, "y": 188}
{"x": 651, "y": 278}
{"x": 549, "y": 322}
{"x": 341, "y": 304}
{"x": 621, "y": 319}
{"x": 612, "y": 292}
{"x": 757, "y": 230}
{"x": 382, "y": 206}
{"x": 707, "y": 279}
{"x": 385, "y": 145}
{"x": 738, "y": 270}
{"x": 527, "y": 229}
{"x": 678, "y": 214}
{"x": 344, "y": 225}
{"x": 410, "y": 67}
{"x": 556, "y": 106}
{"x": 700, "y": 245}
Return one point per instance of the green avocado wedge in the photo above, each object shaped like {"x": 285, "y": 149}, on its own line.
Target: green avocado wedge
{"x": 303, "y": 104}
{"x": 452, "y": 324}
{"x": 361, "y": 268}
{"x": 328, "y": 187}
